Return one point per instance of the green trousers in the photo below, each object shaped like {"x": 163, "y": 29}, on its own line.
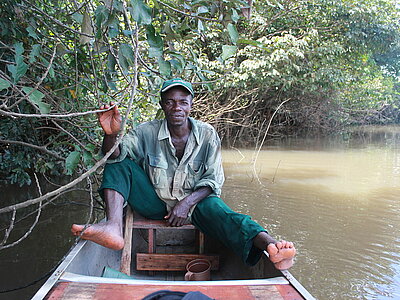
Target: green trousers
{"x": 211, "y": 215}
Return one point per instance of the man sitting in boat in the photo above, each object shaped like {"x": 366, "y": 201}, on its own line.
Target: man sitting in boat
{"x": 171, "y": 169}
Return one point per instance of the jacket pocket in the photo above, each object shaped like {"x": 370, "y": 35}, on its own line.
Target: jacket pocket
{"x": 157, "y": 171}
{"x": 194, "y": 173}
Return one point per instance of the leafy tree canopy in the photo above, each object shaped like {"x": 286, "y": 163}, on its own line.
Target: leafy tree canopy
{"x": 61, "y": 59}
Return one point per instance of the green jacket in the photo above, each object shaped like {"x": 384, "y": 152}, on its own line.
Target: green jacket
{"x": 150, "y": 146}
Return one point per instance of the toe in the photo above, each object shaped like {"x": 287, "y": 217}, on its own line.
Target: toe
{"x": 272, "y": 249}
{"x": 279, "y": 245}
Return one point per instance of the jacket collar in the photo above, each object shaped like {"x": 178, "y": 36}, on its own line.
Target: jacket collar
{"x": 163, "y": 132}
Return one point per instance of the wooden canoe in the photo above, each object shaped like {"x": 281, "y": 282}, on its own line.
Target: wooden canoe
{"x": 85, "y": 273}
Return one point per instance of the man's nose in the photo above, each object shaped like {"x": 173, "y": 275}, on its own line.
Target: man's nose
{"x": 176, "y": 106}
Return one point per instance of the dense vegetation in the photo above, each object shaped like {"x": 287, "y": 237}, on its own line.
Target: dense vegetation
{"x": 332, "y": 63}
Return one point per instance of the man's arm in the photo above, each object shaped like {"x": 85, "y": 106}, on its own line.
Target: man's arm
{"x": 108, "y": 143}
{"x": 178, "y": 215}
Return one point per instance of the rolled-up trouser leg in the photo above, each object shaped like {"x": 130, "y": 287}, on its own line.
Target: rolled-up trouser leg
{"x": 237, "y": 231}
{"x": 128, "y": 179}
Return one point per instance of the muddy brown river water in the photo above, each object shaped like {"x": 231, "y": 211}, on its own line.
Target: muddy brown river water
{"x": 338, "y": 199}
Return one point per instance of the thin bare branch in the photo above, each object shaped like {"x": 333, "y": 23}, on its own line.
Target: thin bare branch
{"x": 34, "y": 223}
{"x": 41, "y": 12}
{"x": 9, "y": 229}
{"x": 189, "y": 15}
{"x": 91, "y": 208}
{"x": 69, "y": 134}
{"x": 41, "y": 148}
{"x": 65, "y": 187}
{"x": 264, "y": 137}
{"x": 43, "y": 76}
{"x": 18, "y": 115}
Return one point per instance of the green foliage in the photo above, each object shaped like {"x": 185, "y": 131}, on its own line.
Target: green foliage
{"x": 140, "y": 12}
{"x": 16, "y": 171}
{"x": 68, "y": 57}
{"x": 4, "y": 84}
{"x": 228, "y": 51}
{"x": 324, "y": 54}
{"x": 35, "y": 97}
{"x": 233, "y": 33}
{"x": 155, "y": 42}
{"x": 72, "y": 162}
{"x": 20, "y": 67}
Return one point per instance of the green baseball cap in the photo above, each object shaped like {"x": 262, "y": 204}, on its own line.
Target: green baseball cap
{"x": 177, "y": 82}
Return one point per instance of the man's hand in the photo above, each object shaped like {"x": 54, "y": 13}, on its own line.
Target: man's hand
{"x": 110, "y": 120}
{"x": 178, "y": 215}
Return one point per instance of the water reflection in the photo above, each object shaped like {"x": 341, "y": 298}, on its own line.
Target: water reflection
{"x": 42, "y": 250}
{"x": 339, "y": 202}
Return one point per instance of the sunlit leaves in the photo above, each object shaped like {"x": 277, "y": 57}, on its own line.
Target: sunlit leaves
{"x": 290, "y": 46}
{"x": 228, "y": 51}
{"x": 233, "y": 33}
{"x": 87, "y": 28}
{"x": 234, "y": 16}
{"x": 202, "y": 10}
{"x": 250, "y": 42}
{"x": 200, "y": 26}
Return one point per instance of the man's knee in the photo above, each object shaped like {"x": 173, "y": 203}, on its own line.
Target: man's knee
{"x": 212, "y": 206}
{"x": 124, "y": 164}
{"x": 206, "y": 203}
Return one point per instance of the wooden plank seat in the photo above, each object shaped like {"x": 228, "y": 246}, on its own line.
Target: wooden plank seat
{"x": 158, "y": 262}
{"x": 171, "y": 262}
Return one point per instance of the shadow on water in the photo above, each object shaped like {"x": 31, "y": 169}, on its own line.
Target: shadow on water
{"x": 42, "y": 250}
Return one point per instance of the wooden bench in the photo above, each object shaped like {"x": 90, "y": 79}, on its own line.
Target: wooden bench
{"x": 151, "y": 261}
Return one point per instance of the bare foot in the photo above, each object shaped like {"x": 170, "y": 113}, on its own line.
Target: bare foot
{"x": 281, "y": 254}
{"x": 284, "y": 264}
{"x": 106, "y": 234}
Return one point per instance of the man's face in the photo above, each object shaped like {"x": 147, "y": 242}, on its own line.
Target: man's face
{"x": 176, "y": 104}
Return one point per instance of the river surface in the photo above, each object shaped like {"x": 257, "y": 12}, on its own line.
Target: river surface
{"x": 337, "y": 199}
